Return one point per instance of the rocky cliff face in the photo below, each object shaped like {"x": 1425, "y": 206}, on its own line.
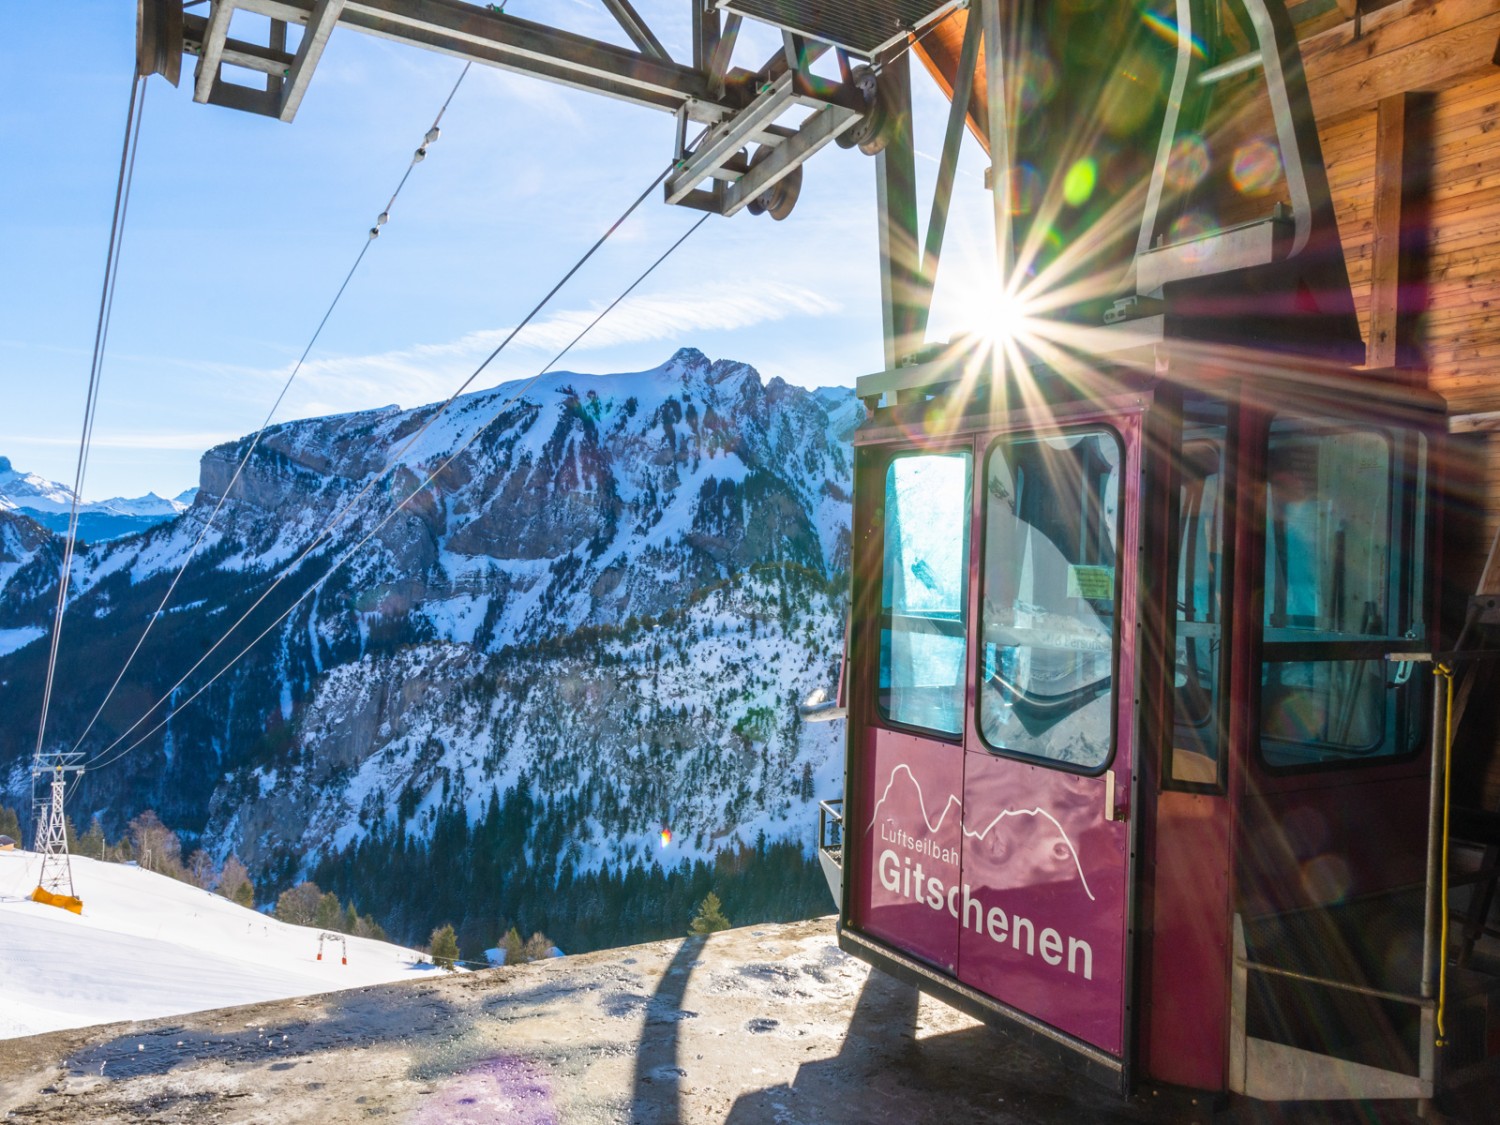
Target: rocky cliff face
{"x": 610, "y": 588}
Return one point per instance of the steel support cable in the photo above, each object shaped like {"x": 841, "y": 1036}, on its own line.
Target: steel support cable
{"x": 392, "y": 464}
{"x": 123, "y": 182}
{"x": 1445, "y": 673}
{"x": 417, "y": 158}
{"x": 415, "y": 492}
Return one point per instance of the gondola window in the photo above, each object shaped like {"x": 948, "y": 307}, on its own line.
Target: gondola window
{"x": 924, "y": 591}
{"x": 1051, "y": 535}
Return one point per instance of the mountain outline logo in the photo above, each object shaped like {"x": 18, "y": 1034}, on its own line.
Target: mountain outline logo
{"x": 969, "y": 833}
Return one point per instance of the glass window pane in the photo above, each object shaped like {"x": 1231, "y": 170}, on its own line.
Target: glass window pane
{"x": 1328, "y": 542}
{"x": 1195, "y": 738}
{"x": 1324, "y": 706}
{"x": 924, "y": 591}
{"x": 1343, "y": 539}
{"x": 1051, "y": 530}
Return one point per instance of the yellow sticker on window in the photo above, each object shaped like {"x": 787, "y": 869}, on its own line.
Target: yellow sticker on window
{"x": 1096, "y": 583}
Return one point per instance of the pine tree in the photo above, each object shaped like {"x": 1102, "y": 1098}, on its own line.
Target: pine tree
{"x": 350, "y": 924}
{"x": 234, "y": 883}
{"x": 245, "y": 896}
{"x": 444, "y": 947}
{"x": 10, "y": 824}
{"x": 513, "y": 946}
{"x": 710, "y": 917}
{"x": 329, "y": 913}
{"x": 90, "y": 844}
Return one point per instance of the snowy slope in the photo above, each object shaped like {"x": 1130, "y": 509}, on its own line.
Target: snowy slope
{"x": 148, "y": 946}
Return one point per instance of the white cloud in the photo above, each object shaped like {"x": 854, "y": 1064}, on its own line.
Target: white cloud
{"x": 429, "y": 372}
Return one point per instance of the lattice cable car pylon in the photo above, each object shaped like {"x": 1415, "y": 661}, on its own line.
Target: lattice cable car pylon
{"x": 52, "y": 834}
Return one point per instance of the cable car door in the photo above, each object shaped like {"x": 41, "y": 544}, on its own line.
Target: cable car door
{"x": 913, "y": 750}
{"x": 994, "y": 758}
{"x": 1043, "y": 908}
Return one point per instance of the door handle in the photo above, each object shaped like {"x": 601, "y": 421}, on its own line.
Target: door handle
{"x": 1112, "y": 810}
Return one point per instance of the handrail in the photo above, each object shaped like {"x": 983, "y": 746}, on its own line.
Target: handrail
{"x": 1362, "y": 989}
{"x": 831, "y": 826}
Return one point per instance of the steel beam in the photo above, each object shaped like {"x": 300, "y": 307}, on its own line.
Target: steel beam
{"x": 896, "y": 211}
{"x": 998, "y": 128}
{"x": 236, "y": 52}
{"x": 214, "y": 35}
{"x": 533, "y": 48}
{"x": 723, "y": 52}
{"x": 477, "y": 34}
{"x": 822, "y": 127}
{"x": 942, "y": 194}
{"x": 636, "y": 28}
{"x": 276, "y": 79}
{"x": 320, "y": 23}
{"x": 730, "y": 137}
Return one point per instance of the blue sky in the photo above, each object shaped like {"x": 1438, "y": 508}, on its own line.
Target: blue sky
{"x": 241, "y": 228}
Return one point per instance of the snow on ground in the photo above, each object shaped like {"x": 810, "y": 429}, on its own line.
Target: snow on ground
{"x": 148, "y": 946}
{"x": 13, "y": 639}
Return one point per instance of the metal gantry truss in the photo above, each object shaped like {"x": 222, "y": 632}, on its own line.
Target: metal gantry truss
{"x": 748, "y": 153}
{"x": 744, "y": 134}
{"x": 51, "y": 838}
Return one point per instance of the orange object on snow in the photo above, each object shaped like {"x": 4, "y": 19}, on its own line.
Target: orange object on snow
{"x": 67, "y": 902}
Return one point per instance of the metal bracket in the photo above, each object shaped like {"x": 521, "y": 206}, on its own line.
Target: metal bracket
{"x": 718, "y": 154}
{"x": 1278, "y": 58}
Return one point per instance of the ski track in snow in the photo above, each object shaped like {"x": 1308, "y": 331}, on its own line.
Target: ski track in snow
{"x": 147, "y": 946}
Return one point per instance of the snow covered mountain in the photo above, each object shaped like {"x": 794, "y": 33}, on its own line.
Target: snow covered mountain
{"x": 48, "y": 503}
{"x": 538, "y": 629}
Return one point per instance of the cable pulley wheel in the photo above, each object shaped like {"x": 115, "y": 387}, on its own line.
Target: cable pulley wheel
{"x": 778, "y": 199}
{"x": 871, "y": 132}
{"x": 158, "y": 39}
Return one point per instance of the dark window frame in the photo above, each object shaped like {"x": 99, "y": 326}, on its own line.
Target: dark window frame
{"x": 882, "y": 616}
{"x": 1123, "y": 512}
{"x": 1219, "y": 713}
{"x": 1407, "y": 515}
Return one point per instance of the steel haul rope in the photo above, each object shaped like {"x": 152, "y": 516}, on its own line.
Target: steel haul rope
{"x": 104, "y": 757}
{"x": 91, "y": 400}
{"x": 417, "y": 157}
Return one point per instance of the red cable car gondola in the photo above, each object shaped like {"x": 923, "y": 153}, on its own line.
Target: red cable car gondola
{"x": 1131, "y": 767}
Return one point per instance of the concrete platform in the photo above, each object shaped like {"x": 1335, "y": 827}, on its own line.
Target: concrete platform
{"x": 762, "y": 1024}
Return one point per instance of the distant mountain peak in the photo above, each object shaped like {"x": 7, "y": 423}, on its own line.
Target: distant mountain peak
{"x": 51, "y": 503}
{"x": 688, "y": 357}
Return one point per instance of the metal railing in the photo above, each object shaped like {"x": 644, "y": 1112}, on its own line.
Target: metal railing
{"x": 831, "y": 829}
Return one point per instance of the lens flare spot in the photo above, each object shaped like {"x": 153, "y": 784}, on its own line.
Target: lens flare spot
{"x": 1079, "y": 182}
{"x": 1188, "y": 163}
{"x": 1025, "y": 189}
{"x": 1256, "y": 167}
{"x": 1033, "y": 82}
{"x": 1325, "y": 879}
{"x": 1131, "y": 96}
{"x": 666, "y": 837}
{"x": 1192, "y": 225}
{"x": 1166, "y": 29}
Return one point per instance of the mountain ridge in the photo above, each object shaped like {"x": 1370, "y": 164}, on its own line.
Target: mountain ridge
{"x": 605, "y": 590}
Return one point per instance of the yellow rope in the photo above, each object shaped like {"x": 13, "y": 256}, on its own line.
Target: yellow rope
{"x": 1447, "y": 674}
